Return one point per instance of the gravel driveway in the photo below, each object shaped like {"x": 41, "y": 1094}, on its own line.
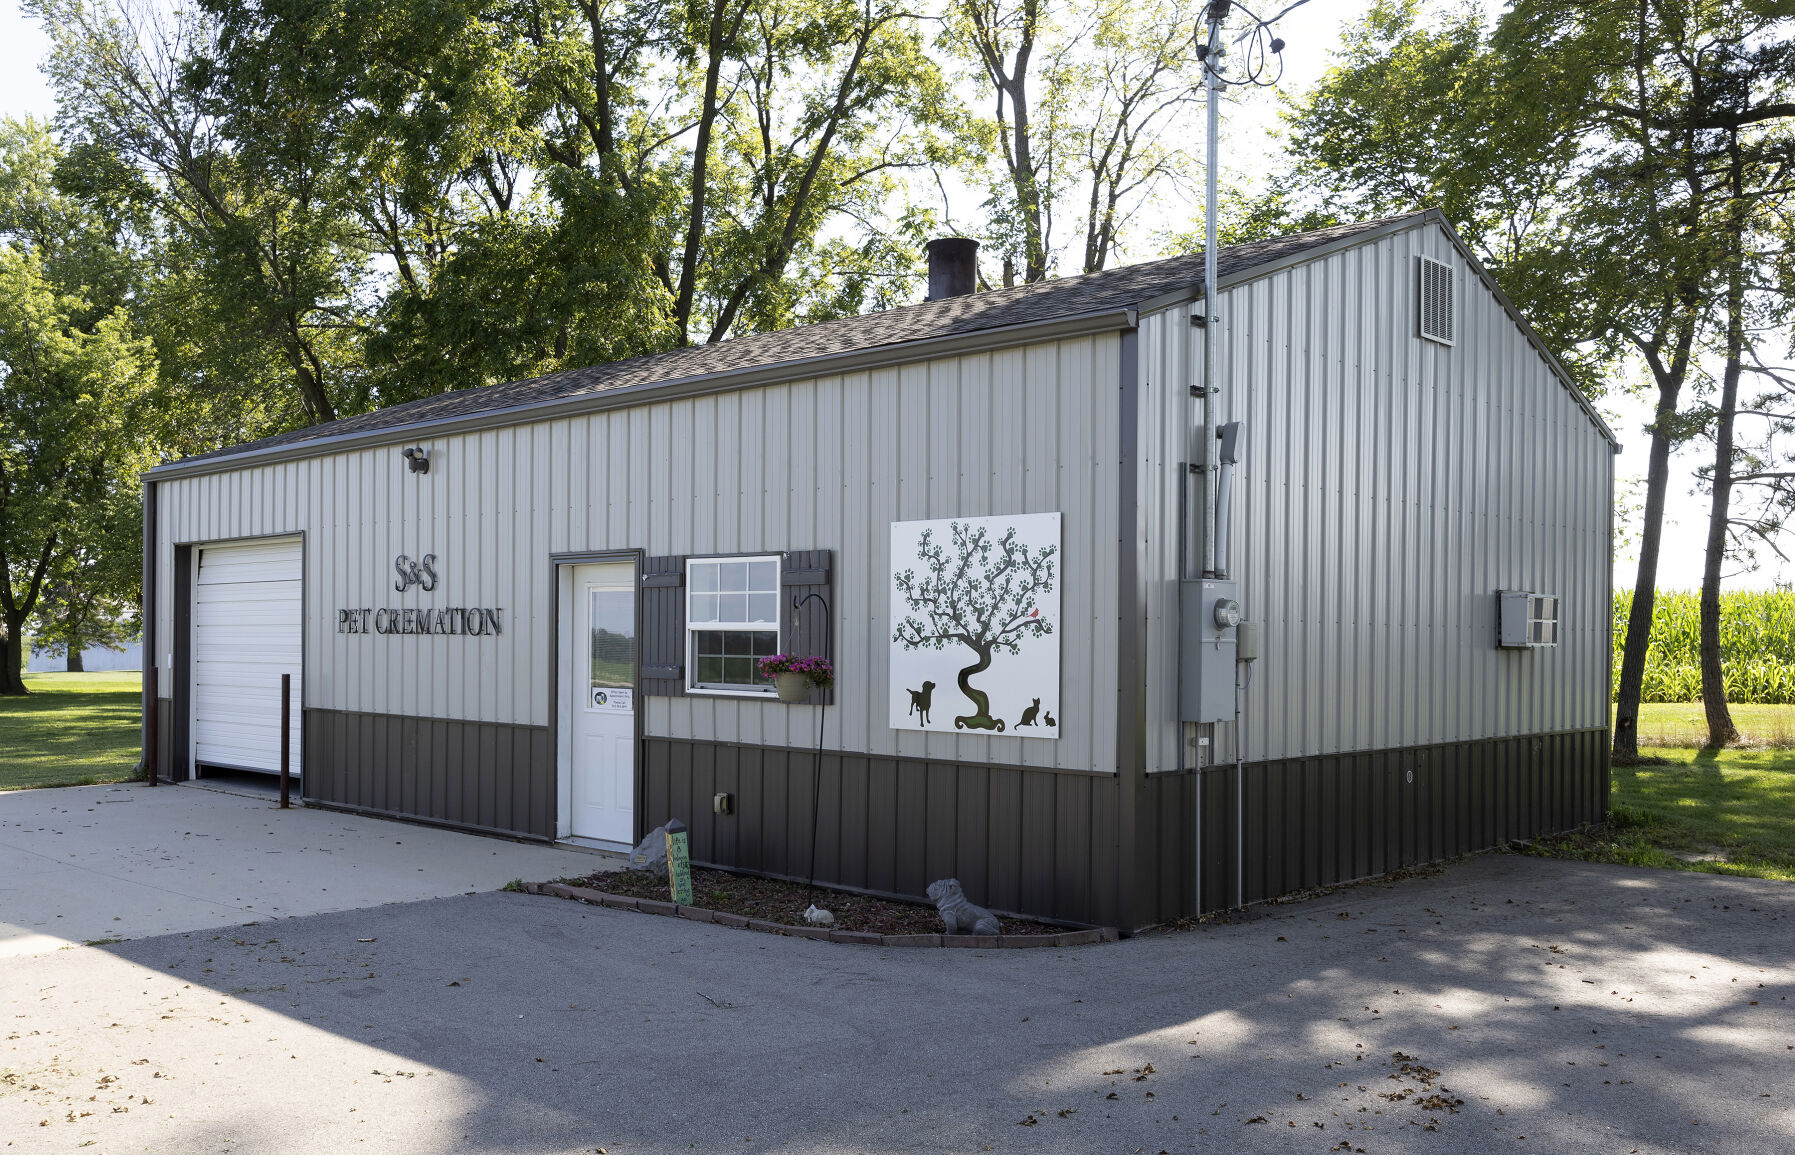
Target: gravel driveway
{"x": 1505, "y": 1004}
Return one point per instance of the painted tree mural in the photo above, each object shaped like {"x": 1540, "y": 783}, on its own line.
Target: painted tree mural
{"x": 976, "y": 592}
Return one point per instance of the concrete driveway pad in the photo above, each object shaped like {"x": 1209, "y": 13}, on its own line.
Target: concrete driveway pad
{"x": 125, "y": 861}
{"x": 1504, "y": 1005}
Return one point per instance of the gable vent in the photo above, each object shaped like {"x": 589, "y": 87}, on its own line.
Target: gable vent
{"x": 1436, "y": 300}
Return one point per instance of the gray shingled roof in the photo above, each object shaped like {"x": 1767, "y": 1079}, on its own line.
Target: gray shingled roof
{"x": 1114, "y": 289}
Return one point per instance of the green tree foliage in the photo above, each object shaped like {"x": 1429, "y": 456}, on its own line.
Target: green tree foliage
{"x": 74, "y": 380}
{"x": 85, "y": 608}
{"x": 248, "y": 181}
{"x": 384, "y": 199}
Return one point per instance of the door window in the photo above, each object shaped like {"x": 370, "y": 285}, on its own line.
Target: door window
{"x": 611, "y": 649}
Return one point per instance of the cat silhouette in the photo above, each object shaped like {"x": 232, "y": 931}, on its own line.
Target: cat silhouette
{"x": 1028, "y": 715}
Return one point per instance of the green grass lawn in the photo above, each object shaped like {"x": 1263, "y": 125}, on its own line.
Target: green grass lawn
{"x": 72, "y": 730}
{"x": 1684, "y": 724}
{"x": 1724, "y": 812}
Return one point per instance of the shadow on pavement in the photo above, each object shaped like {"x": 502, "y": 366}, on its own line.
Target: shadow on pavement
{"x": 1507, "y": 1003}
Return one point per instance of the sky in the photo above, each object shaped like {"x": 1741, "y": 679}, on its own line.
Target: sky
{"x": 1311, "y": 32}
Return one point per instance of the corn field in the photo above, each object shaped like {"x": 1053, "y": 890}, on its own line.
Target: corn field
{"x": 1757, "y": 646}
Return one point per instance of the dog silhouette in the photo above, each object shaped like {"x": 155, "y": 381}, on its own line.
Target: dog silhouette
{"x": 1028, "y": 715}
{"x": 920, "y": 699}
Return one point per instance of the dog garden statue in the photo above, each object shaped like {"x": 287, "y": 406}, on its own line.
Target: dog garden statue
{"x": 961, "y": 916}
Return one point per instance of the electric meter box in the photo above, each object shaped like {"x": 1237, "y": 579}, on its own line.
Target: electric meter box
{"x": 1208, "y": 617}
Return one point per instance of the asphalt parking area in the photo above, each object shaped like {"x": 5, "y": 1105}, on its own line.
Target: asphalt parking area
{"x": 89, "y": 863}
{"x": 1505, "y": 1004}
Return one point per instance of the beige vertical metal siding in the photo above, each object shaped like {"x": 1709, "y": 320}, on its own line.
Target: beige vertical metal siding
{"x": 812, "y": 464}
{"x": 1389, "y": 487}
{"x": 828, "y": 464}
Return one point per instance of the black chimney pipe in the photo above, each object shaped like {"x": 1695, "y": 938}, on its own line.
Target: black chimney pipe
{"x": 953, "y": 267}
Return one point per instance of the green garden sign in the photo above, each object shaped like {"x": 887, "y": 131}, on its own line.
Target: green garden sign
{"x": 679, "y": 863}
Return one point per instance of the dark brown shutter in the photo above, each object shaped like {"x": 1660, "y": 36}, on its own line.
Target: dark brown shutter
{"x": 664, "y": 625}
{"x": 806, "y": 572}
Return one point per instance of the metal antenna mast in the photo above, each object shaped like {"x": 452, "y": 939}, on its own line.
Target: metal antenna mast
{"x": 1255, "y": 62}
{"x": 1259, "y": 54}
{"x": 1218, "y": 12}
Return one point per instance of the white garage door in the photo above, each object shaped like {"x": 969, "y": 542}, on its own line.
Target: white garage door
{"x": 246, "y": 634}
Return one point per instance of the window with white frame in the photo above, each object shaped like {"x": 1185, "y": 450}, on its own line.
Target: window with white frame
{"x": 732, "y": 622}
{"x": 1542, "y": 620}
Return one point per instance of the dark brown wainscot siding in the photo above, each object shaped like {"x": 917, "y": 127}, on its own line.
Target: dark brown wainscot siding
{"x": 1044, "y": 843}
{"x": 1319, "y": 821}
{"x": 1020, "y": 839}
{"x": 482, "y": 776}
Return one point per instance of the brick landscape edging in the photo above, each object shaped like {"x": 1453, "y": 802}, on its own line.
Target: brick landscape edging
{"x": 723, "y": 918}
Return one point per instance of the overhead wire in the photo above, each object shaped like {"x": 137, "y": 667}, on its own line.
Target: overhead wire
{"x": 1262, "y": 48}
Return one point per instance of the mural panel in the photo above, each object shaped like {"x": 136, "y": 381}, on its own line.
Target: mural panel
{"x": 975, "y": 613}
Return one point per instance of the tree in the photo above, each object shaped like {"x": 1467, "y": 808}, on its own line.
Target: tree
{"x": 1085, "y": 101}
{"x": 1669, "y": 77}
{"x": 1754, "y": 167}
{"x": 982, "y": 596}
{"x": 77, "y": 611}
{"x": 241, "y": 154}
{"x": 69, "y": 455}
{"x": 1003, "y": 36}
{"x": 385, "y": 199}
{"x": 72, "y": 434}
{"x": 1142, "y": 80}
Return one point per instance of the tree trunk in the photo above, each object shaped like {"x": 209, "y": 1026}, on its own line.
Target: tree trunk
{"x": 1721, "y": 730}
{"x": 75, "y": 666}
{"x": 981, "y": 719}
{"x": 12, "y": 656}
{"x": 1645, "y": 585}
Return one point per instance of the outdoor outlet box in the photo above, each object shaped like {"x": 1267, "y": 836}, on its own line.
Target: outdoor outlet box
{"x": 1247, "y": 642}
{"x": 1206, "y": 650}
{"x": 723, "y": 803}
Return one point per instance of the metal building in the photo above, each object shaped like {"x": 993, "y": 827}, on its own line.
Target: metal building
{"x": 1401, "y": 464}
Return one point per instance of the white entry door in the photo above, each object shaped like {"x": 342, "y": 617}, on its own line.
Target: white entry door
{"x": 247, "y": 629}
{"x": 599, "y": 673}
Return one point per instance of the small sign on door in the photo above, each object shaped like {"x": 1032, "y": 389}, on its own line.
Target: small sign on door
{"x": 612, "y": 698}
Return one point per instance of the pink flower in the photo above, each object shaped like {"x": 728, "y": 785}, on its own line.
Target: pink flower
{"x": 817, "y": 669}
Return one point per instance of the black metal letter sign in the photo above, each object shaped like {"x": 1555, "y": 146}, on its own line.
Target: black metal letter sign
{"x": 470, "y": 621}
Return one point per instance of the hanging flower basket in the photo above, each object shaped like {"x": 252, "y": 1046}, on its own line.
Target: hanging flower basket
{"x": 795, "y": 676}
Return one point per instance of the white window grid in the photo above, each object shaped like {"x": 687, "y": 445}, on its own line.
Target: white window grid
{"x": 1542, "y": 620}
{"x": 752, "y": 608}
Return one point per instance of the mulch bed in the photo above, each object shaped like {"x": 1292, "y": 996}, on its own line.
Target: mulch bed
{"x": 774, "y": 900}
{"x": 778, "y": 908}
